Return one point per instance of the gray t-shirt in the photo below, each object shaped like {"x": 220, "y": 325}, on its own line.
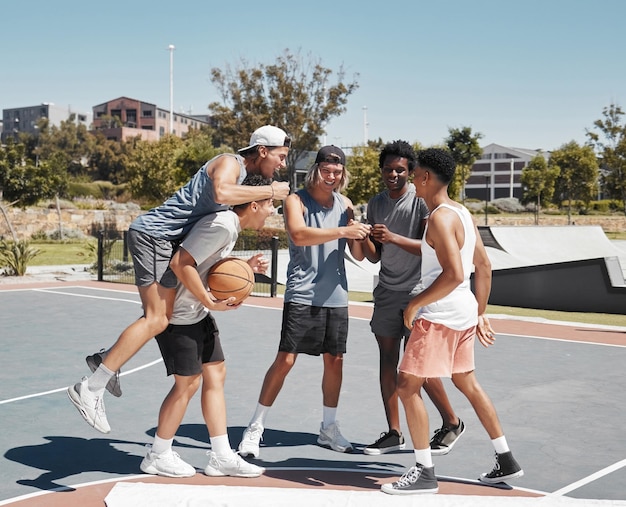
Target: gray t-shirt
{"x": 212, "y": 238}
{"x": 399, "y": 269}
{"x": 173, "y": 219}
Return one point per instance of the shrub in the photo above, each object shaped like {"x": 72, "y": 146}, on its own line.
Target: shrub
{"x": 14, "y": 257}
{"x": 508, "y": 205}
{"x": 261, "y": 240}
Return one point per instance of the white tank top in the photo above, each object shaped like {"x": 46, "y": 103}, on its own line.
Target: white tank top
{"x": 459, "y": 309}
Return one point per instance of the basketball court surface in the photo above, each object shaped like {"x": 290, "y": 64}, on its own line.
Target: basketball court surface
{"x": 558, "y": 389}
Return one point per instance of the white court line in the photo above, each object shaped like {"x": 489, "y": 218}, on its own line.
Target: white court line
{"x": 564, "y": 340}
{"x": 62, "y": 293}
{"x": 590, "y": 478}
{"x": 44, "y": 393}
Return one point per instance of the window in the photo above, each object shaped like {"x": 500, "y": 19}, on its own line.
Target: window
{"x": 146, "y": 113}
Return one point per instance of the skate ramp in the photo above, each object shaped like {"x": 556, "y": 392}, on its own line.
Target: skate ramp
{"x": 511, "y": 247}
{"x": 572, "y": 268}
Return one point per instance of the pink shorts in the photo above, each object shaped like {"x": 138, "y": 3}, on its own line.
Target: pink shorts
{"x": 434, "y": 350}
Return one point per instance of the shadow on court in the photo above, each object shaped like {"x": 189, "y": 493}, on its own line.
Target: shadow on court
{"x": 62, "y": 457}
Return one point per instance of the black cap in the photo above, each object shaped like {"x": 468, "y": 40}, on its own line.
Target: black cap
{"x": 331, "y": 154}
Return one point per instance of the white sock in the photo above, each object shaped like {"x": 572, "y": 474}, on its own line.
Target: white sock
{"x": 500, "y": 445}
{"x": 161, "y": 445}
{"x": 330, "y": 415}
{"x": 221, "y": 445}
{"x": 99, "y": 379}
{"x": 260, "y": 414}
{"x": 423, "y": 457}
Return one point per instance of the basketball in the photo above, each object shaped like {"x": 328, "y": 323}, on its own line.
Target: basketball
{"x": 231, "y": 277}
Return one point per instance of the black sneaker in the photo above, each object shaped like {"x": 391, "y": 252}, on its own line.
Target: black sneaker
{"x": 387, "y": 442}
{"x": 113, "y": 386}
{"x": 417, "y": 480}
{"x": 506, "y": 468}
{"x": 444, "y": 439}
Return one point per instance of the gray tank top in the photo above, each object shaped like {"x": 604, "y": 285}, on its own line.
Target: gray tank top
{"x": 316, "y": 274}
{"x": 173, "y": 219}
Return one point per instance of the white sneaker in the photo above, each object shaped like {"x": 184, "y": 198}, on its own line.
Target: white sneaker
{"x": 252, "y": 436}
{"x": 90, "y": 405}
{"x": 167, "y": 464}
{"x": 234, "y": 465}
{"x": 332, "y": 437}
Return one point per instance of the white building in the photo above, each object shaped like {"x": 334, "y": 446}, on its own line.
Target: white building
{"x": 25, "y": 119}
{"x": 498, "y": 172}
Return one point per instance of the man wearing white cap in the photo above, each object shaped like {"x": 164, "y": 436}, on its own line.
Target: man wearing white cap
{"x": 152, "y": 239}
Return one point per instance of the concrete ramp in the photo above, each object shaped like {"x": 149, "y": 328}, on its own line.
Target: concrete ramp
{"x": 571, "y": 268}
{"x": 512, "y": 247}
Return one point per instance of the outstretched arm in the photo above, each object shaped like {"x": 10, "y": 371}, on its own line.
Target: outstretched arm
{"x": 302, "y": 235}
{"x": 224, "y": 171}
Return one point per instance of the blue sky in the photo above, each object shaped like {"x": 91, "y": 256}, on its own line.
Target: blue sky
{"x": 528, "y": 74}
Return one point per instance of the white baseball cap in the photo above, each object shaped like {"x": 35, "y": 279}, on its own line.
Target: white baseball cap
{"x": 268, "y": 135}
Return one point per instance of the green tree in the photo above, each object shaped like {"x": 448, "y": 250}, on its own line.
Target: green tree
{"x": 70, "y": 144}
{"x": 295, "y": 93}
{"x": 365, "y": 180}
{"x": 609, "y": 141}
{"x": 109, "y": 159}
{"x": 197, "y": 147}
{"x": 25, "y": 182}
{"x": 465, "y": 149}
{"x": 153, "y": 173}
{"x": 578, "y": 173}
{"x": 538, "y": 179}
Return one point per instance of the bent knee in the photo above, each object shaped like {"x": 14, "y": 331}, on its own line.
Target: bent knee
{"x": 157, "y": 323}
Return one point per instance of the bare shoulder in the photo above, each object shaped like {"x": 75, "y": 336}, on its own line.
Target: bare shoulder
{"x": 223, "y": 164}
{"x": 294, "y": 203}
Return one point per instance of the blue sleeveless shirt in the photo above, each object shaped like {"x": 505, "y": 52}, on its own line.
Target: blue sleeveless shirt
{"x": 173, "y": 219}
{"x": 316, "y": 274}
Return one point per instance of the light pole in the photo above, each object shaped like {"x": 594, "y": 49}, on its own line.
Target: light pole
{"x": 171, "y": 50}
{"x": 486, "y": 199}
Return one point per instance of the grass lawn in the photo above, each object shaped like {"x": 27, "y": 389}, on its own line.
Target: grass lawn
{"x": 52, "y": 253}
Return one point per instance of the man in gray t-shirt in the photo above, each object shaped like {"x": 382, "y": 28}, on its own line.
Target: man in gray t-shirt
{"x": 398, "y": 218}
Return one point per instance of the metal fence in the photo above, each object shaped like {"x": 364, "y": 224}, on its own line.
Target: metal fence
{"x": 115, "y": 264}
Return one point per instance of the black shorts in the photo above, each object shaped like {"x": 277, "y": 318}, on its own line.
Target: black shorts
{"x": 185, "y": 348}
{"x": 314, "y": 330}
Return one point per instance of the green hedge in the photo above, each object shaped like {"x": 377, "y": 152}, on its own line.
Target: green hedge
{"x": 250, "y": 239}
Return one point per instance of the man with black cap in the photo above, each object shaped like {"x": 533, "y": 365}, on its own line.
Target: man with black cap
{"x": 320, "y": 221}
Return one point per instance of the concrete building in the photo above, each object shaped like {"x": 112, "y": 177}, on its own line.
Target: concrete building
{"x": 498, "y": 173}
{"x": 124, "y": 118}
{"x": 25, "y": 119}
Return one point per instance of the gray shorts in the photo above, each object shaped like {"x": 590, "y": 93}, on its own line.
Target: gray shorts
{"x": 185, "y": 348}
{"x": 151, "y": 259}
{"x": 314, "y": 330}
{"x": 388, "y": 316}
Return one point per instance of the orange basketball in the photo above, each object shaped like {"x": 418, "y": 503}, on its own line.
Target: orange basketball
{"x": 231, "y": 277}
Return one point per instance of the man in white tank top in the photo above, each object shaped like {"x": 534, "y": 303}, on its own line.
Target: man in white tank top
{"x": 444, "y": 318}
